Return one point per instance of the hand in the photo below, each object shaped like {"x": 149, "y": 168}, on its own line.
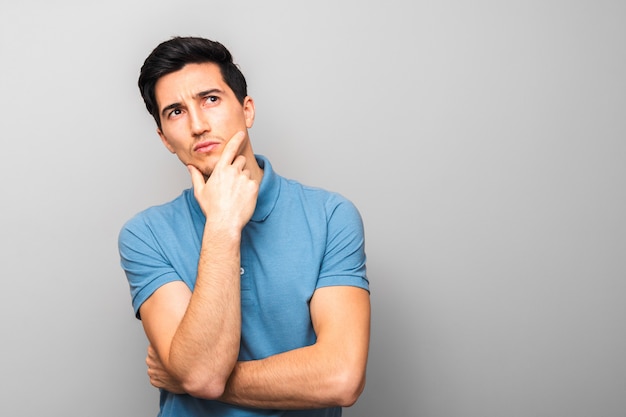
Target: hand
{"x": 228, "y": 197}
{"x": 159, "y": 377}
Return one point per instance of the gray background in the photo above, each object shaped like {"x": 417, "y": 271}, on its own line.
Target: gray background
{"x": 484, "y": 143}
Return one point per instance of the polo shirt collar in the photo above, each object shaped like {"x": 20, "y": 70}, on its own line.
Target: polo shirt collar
{"x": 268, "y": 190}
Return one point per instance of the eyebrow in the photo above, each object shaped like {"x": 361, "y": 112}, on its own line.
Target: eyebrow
{"x": 204, "y": 93}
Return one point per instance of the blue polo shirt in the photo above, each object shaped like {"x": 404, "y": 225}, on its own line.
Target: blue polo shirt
{"x": 299, "y": 239}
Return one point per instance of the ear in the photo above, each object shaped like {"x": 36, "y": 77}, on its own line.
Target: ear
{"x": 248, "y": 111}
{"x": 165, "y": 141}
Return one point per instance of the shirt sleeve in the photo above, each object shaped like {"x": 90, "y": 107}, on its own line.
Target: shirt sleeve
{"x": 145, "y": 265}
{"x": 344, "y": 261}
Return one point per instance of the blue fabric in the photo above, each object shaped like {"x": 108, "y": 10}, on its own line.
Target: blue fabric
{"x": 299, "y": 239}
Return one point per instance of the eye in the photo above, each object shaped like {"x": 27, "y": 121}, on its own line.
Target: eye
{"x": 174, "y": 112}
{"x": 211, "y": 99}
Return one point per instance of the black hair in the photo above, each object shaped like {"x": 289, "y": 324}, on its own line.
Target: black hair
{"x": 172, "y": 55}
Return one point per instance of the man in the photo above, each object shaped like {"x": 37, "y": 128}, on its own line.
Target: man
{"x": 251, "y": 288}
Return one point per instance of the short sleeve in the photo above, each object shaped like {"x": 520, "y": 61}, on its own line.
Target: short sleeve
{"x": 344, "y": 261}
{"x": 145, "y": 265}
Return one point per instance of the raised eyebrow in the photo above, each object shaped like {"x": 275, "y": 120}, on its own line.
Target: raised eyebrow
{"x": 209, "y": 92}
{"x": 167, "y": 109}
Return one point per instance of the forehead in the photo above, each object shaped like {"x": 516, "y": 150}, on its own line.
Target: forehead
{"x": 188, "y": 81}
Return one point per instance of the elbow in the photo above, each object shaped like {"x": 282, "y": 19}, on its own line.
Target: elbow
{"x": 351, "y": 394}
{"x": 204, "y": 382}
{"x": 350, "y": 385}
{"x": 205, "y": 388}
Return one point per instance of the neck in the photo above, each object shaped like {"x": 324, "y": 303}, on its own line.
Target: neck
{"x": 256, "y": 173}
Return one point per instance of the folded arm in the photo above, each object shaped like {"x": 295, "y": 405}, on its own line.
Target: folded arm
{"x": 329, "y": 373}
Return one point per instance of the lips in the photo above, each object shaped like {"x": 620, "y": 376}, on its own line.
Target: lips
{"x": 205, "y": 146}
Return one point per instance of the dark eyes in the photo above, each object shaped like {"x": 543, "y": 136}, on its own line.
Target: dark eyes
{"x": 207, "y": 100}
{"x": 174, "y": 112}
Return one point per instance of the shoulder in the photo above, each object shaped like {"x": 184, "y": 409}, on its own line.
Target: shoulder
{"x": 332, "y": 202}
{"x": 316, "y": 203}
{"x": 158, "y": 216}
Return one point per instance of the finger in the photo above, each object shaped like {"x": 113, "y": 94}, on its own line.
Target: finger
{"x": 197, "y": 179}
{"x": 239, "y": 162}
{"x": 232, "y": 149}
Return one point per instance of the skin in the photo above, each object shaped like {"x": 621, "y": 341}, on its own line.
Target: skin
{"x": 194, "y": 337}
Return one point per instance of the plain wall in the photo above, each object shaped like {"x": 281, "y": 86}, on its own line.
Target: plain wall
{"x": 484, "y": 143}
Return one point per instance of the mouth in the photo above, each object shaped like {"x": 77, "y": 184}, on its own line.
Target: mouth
{"x": 206, "y": 146}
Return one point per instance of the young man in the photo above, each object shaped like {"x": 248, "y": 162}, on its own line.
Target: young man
{"x": 251, "y": 288}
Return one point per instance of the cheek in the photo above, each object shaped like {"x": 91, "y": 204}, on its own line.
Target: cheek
{"x": 232, "y": 117}
{"x": 173, "y": 138}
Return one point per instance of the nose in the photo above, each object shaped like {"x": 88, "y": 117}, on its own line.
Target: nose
{"x": 199, "y": 122}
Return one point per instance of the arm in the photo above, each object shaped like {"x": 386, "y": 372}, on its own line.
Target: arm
{"x": 329, "y": 373}
{"x": 196, "y": 335}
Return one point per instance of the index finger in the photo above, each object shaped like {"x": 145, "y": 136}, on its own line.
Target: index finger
{"x": 231, "y": 150}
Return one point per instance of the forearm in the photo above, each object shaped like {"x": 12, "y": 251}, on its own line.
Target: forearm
{"x": 329, "y": 373}
{"x": 299, "y": 379}
{"x": 205, "y": 346}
